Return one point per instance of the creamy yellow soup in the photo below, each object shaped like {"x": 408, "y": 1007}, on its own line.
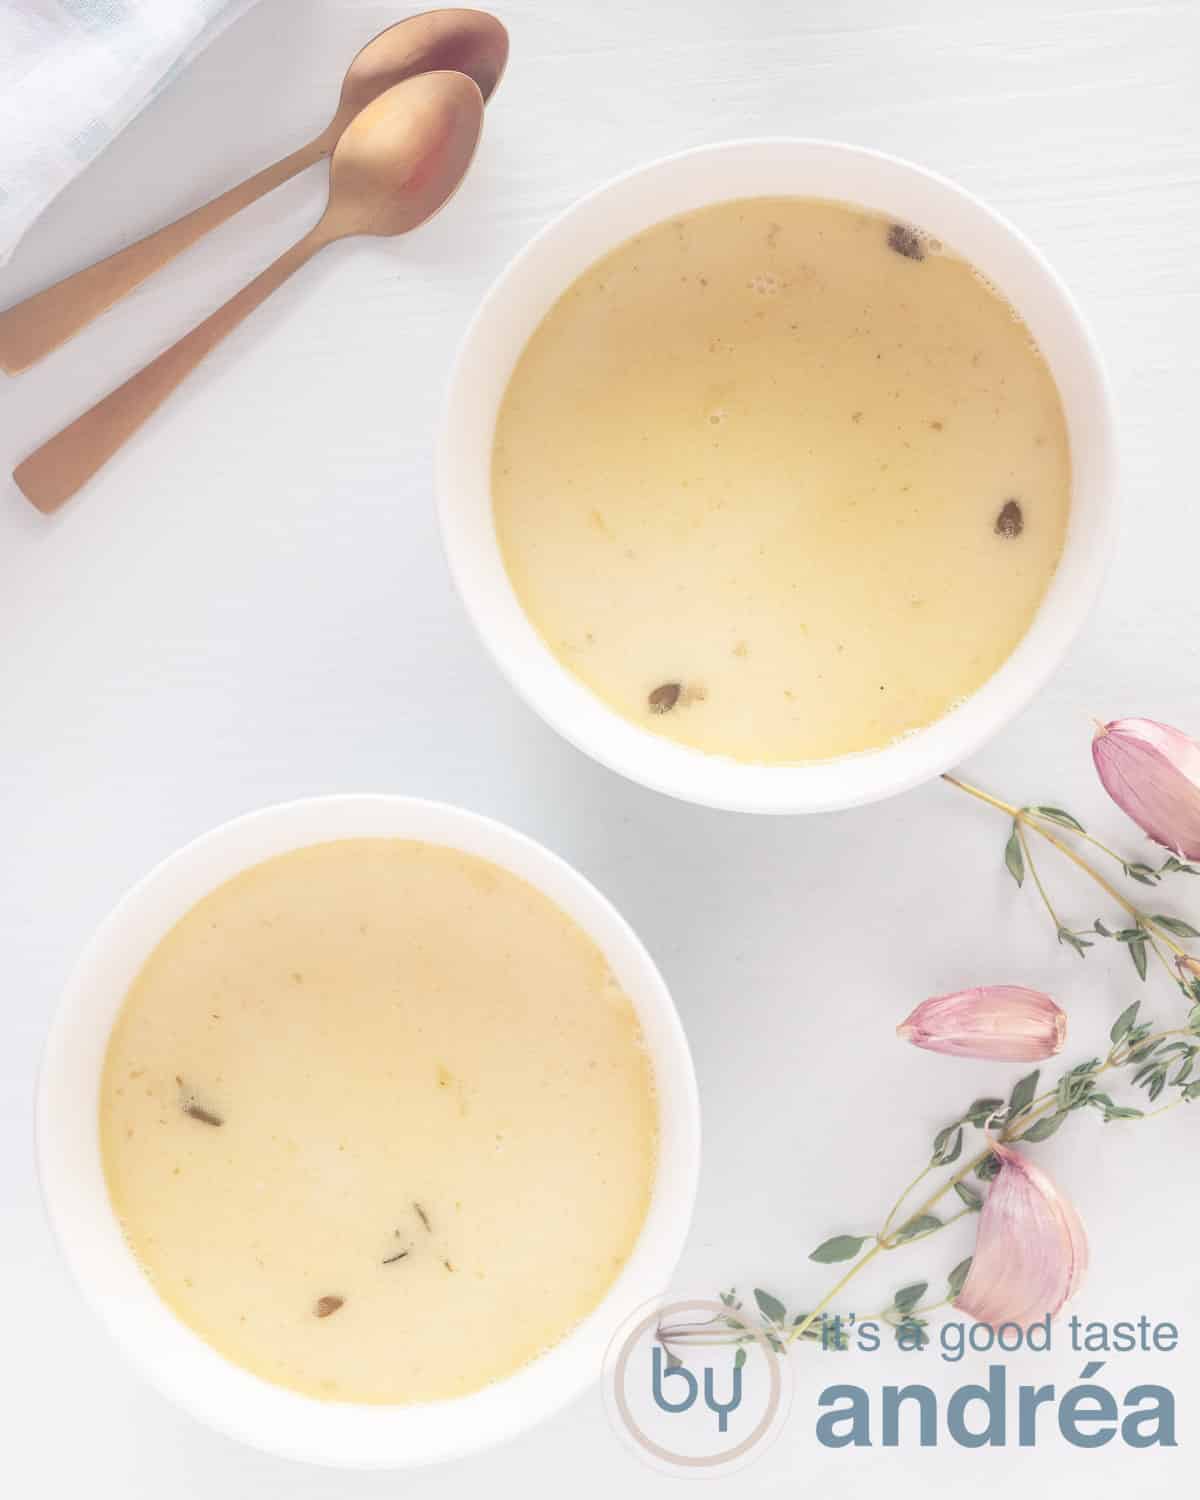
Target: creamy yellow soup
{"x": 378, "y": 1121}
{"x": 781, "y": 480}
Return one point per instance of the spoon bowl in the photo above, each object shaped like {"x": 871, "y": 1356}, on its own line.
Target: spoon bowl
{"x": 403, "y": 156}
{"x": 458, "y": 41}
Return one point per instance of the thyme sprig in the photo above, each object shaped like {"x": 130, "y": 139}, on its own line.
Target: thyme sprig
{"x": 1150, "y": 1061}
{"x": 1147, "y": 933}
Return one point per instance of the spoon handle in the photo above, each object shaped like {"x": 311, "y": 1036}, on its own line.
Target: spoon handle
{"x": 50, "y": 476}
{"x": 31, "y": 329}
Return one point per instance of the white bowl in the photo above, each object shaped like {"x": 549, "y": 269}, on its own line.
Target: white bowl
{"x": 740, "y": 169}
{"x": 175, "y": 1359}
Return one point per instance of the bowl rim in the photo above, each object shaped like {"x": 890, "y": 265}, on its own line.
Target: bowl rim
{"x": 821, "y": 786}
{"x": 211, "y": 1388}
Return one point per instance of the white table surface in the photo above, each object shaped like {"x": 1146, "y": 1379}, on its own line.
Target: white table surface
{"x": 251, "y": 605}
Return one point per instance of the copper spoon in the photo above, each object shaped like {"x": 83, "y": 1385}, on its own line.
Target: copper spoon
{"x": 396, "y": 164}
{"x": 468, "y": 41}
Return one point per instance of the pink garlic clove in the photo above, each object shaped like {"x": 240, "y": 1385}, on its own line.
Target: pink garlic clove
{"x": 1001, "y": 1022}
{"x": 1031, "y": 1252}
{"x": 1152, "y": 772}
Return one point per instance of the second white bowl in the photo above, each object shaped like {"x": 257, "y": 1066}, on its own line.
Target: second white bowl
{"x": 523, "y": 295}
{"x": 174, "y": 1358}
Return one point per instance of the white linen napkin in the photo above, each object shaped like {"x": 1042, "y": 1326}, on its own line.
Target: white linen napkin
{"x": 73, "y": 73}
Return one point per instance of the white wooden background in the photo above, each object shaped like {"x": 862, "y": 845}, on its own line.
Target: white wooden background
{"x": 251, "y": 605}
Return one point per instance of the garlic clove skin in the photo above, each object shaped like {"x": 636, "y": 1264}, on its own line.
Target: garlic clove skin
{"x": 999, "y": 1022}
{"x": 1031, "y": 1252}
{"x": 1152, "y": 773}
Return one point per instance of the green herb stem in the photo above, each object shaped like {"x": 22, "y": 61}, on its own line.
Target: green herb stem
{"x": 800, "y": 1329}
{"x": 1043, "y": 1105}
{"x": 1133, "y": 1044}
{"x": 1023, "y": 818}
{"x": 899, "y": 1203}
{"x": 1033, "y": 870}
